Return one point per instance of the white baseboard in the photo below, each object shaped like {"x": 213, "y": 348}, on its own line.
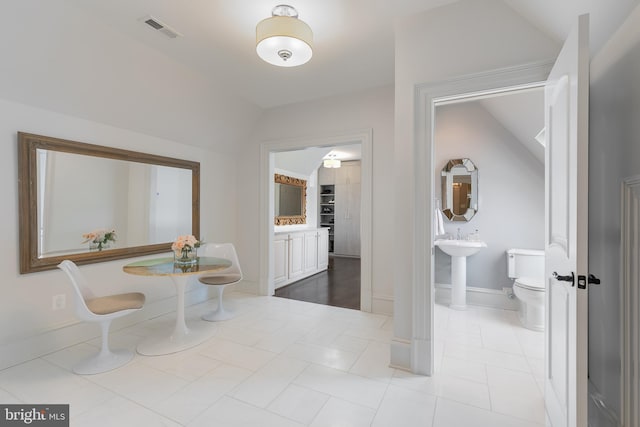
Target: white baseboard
{"x": 504, "y": 299}
{"x": 76, "y": 332}
{"x": 246, "y": 286}
{"x": 420, "y": 364}
{"x": 382, "y": 304}
{"x": 401, "y": 349}
{"x": 400, "y": 354}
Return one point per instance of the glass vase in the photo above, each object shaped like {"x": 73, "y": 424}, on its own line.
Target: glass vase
{"x": 98, "y": 246}
{"x": 186, "y": 256}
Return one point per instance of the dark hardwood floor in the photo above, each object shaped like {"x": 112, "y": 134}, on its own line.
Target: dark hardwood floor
{"x": 339, "y": 286}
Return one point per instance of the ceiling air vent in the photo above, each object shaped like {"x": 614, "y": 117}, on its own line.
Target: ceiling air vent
{"x": 158, "y": 25}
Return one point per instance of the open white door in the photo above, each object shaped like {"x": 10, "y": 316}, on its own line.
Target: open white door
{"x": 566, "y": 235}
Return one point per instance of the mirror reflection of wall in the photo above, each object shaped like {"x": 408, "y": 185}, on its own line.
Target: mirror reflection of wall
{"x": 73, "y": 198}
{"x": 170, "y": 192}
{"x": 144, "y": 204}
{"x": 461, "y": 196}
{"x": 79, "y": 194}
{"x": 288, "y": 200}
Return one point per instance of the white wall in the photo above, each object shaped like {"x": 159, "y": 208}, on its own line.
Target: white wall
{"x": 511, "y": 191}
{"x": 328, "y": 117}
{"x": 455, "y": 40}
{"x": 26, "y": 299}
{"x": 614, "y": 154}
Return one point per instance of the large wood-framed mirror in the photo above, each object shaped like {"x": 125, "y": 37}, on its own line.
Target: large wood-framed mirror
{"x": 290, "y": 200}
{"x": 68, "y": 189}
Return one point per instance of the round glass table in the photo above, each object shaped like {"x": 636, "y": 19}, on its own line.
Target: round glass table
{"x": 182, "y": 337}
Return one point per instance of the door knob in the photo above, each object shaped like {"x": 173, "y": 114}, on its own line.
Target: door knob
{"x": 571, "y": 278}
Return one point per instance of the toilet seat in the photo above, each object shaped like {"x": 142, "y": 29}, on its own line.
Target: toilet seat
{"x": 530, "y": 283}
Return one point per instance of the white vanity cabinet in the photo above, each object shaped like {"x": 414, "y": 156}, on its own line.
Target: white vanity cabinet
{"x": 323, "y": 249}
{"x": 296, "y": 256}
{"x": 310, "y": 252}
{"x": 299, "y": 254}
{"x": 280, "y": 258}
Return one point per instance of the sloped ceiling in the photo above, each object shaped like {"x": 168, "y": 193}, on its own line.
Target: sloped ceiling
{"x": 354, "y": 39}
{"x": 95, "y": 59}
{"x": 302, "y": 162}
{"x": 305, "y": 162}
{"x": 522, "y": 114}
{"x": 555, "y": 17}
{"x": 354, "y": 42}
{"x": 57, "y": 57}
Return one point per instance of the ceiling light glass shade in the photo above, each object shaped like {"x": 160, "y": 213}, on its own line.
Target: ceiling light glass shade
{"x": 284, "y": 41}
{"x": 331, "y": 163}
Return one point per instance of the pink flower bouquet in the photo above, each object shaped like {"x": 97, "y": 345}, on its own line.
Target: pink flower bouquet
{"x": 185, "y": 250}
{"x": 100, "y": 238}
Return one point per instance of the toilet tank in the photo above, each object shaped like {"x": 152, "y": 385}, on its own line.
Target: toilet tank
{"x": 525, "y": 263}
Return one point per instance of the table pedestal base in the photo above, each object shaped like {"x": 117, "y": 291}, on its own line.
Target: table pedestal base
{"x": 182, "y": 337}
{"x": 174, "y": 343}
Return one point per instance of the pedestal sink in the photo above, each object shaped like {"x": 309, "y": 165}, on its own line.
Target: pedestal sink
{"x": 459, "y": 250}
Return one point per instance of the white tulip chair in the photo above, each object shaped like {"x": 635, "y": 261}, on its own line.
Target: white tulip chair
{"x": 100, "y": 309}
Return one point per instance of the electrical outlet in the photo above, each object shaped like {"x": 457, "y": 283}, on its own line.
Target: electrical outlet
{"x": 59, "y": 302}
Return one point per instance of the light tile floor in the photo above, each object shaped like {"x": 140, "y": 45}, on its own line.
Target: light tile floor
{"x": 282, "y": 363}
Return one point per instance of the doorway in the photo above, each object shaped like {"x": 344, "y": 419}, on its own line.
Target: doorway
{"x": 500, "y": 137}
{"x": 333, "y": 193}
{"x": 420, "y": 352}
{"x": 268, "y": 150}
{"x": 486, "y": 345}
{"x": 338, "y": 286}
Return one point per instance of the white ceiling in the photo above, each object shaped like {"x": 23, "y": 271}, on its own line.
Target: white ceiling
{"x": 555, "y": 17}
{"x": 347, "y": 152}
{"x": 519, "y": 111}
{"x": 306, "y": 161}
{"x": 302, "y": 162}
{"x": 353, "y": 39}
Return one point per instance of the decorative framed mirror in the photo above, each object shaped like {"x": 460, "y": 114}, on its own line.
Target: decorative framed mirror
{"x": 459, "y": 190}
{"x": 89, "y": 203}
{"x": 290, "y": 200}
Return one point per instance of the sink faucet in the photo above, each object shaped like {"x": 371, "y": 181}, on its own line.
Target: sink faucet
{"x": 459, "y": 236}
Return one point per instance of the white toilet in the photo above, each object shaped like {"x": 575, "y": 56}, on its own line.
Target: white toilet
{"x": 526, "y": 266}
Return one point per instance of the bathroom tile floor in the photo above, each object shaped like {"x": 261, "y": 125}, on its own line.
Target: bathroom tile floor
{"x": 283, "y": 362}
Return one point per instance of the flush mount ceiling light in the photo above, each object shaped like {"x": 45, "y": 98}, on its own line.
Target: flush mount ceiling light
{"x": 331, "y": 162}
{"x": 284, "y": 40}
